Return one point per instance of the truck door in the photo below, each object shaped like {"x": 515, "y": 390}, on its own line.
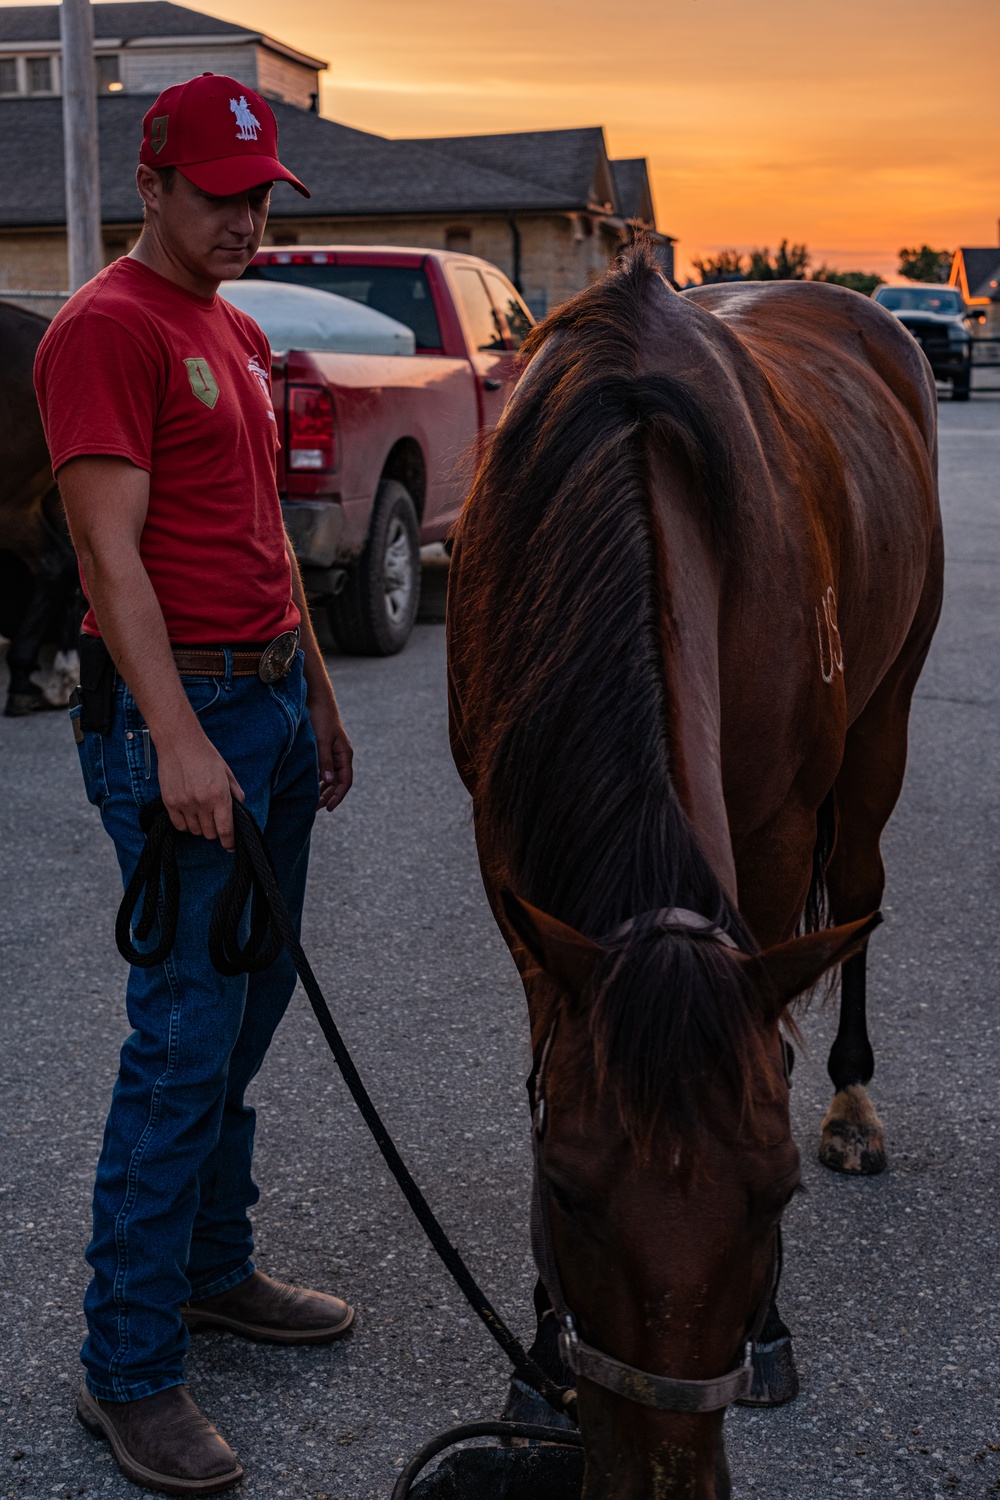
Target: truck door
{"x": 491, "y": 359}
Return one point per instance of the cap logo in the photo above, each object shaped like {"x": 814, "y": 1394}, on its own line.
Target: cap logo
{"x": 247, "y": 122}
{"x": 158, "y": 133}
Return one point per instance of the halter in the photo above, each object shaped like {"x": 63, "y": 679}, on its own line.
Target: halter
{"x": 663, "y": 1392}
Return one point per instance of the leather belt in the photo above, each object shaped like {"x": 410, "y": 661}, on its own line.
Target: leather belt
{"x": 270, "y": 664}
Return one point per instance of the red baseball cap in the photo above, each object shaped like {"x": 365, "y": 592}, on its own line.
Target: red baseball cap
{"x": 219, "y": 134}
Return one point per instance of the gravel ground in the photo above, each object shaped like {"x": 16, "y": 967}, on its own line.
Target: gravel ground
{"x": 890, "y": 1284}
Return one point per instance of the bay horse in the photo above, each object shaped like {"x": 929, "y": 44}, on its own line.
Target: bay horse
{"x": 40, "y": 597}
{"x": 691, "y": 592}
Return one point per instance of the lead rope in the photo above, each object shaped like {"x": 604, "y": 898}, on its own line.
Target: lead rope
{"x": 157, "y": 884}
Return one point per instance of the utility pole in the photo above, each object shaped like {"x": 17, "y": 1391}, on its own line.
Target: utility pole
{"x": 83, "y": 178}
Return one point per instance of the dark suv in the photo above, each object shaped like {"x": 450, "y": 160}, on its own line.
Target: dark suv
{"x": 935, "y": 316}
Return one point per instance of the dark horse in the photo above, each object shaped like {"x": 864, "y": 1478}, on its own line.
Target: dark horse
{"x": 40, "y": 600}
{"x": 691, "y": 594}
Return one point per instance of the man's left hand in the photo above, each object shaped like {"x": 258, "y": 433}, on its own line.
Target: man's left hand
{"x": 335, "y": 753}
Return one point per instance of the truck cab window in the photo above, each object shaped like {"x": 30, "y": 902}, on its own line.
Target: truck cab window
{"x": 483, "y": 325}
{"x": 513, "y": 309}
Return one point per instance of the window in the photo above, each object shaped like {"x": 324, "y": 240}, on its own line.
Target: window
{"x": 459, "y": 240}
{"x": 401, "y": 292}
{"x": 483, "y": 326}
{"x": 929, "y": 299}
{"x": 109, "y": 79}
{"x": 513, "y": 309}
{"x": 39, "y": 75}
{"x": 8, "y": 76}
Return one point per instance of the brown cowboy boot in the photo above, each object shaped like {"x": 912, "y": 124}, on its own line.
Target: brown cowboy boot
{"x": 272, "y": 1313}
{"x": 162, "y": 1442}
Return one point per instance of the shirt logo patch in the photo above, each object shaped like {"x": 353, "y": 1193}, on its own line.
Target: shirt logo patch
{"x": 259, "y": 374}
{"x": 203, "y": 382}
{"x": 158, "y": 133}
{"x": 247, "y": 122}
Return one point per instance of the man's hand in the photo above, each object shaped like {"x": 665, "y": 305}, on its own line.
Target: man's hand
{"x": 336, "y": 754}
{"x": 197, "y": 788}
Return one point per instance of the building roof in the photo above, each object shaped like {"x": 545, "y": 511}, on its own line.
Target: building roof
{"x": 116, "y": 18}
{"x": 570, "y": 166}
{"x": 635, "y": 196}
{"x": 350, "y": 172}
{"x": 978, "y": 271}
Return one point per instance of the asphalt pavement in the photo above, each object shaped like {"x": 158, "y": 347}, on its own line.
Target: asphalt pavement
{"x": 891, "y": 1284}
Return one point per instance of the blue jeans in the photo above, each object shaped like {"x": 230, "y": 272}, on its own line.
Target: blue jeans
{"x": 174, "y": 1179}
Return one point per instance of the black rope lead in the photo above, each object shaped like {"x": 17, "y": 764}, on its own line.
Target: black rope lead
{"x": 156, "y": 881}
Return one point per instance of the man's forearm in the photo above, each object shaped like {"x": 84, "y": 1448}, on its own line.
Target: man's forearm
{"x": 133, "y": 629}
{"x": 316, "y": 675}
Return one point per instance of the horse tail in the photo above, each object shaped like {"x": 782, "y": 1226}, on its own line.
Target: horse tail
{"x": 816, "y": 915}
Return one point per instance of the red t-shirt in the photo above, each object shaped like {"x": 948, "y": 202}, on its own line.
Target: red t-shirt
{"x": 136, "y": 367}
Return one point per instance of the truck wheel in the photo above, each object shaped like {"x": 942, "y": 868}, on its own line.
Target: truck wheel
{"x": 960, "y": 386}
{"x": 374, "y": 612}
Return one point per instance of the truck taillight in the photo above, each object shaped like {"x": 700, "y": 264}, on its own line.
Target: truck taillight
{"x": 310, "y": 428}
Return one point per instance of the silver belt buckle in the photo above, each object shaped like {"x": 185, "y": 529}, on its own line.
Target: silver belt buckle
{"x": 277, "y": 657}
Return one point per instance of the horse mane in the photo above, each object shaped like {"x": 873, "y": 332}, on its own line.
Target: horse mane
{"x": 572, "y": 778}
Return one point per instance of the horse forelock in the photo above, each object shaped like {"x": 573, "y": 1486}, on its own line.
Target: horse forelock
{"x": 566, "y": 620}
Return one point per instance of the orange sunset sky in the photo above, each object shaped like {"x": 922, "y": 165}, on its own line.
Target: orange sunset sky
{"x": 856, "y": 126}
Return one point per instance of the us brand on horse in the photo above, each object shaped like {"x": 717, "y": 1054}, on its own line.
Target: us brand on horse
{"x": 691, "y": 594}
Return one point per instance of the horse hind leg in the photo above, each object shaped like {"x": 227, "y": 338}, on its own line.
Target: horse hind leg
{"x": 852, "y": 1138}
{"x": 866, "y": 790}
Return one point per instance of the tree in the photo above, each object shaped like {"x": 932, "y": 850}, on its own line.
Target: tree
{"x": 726, "y": 266}
{"x": 925, "y": 264}
{"x": 864, "y": 282}
{"x": 789, "y": 264}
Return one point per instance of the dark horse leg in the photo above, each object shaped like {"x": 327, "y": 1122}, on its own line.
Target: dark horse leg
{"x": 523, "y": 1403}
{"x": 775, "y": 1378}
{"x": 49, "y": 608}
{"x": 852, "y": 1132}
{"x": 867, "y": 787}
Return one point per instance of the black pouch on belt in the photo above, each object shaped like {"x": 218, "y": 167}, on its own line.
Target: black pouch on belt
{"x": 97, "y": 685}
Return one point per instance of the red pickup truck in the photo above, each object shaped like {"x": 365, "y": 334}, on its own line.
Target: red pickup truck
{"x": 378, "y": 450}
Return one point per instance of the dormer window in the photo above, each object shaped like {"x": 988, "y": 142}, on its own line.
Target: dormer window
{"x": 39, "y": 70}
{"x": 109, "y": 80}
{"x": 8, "y": 76}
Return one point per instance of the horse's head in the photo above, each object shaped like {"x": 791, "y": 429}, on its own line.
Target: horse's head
{"x": 665, "y": 1160}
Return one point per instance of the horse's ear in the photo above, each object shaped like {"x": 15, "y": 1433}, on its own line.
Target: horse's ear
{"x": 560, "y": 951}
{"x": 795, "y": 966}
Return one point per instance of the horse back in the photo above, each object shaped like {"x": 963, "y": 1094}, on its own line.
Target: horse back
{"x": 831, "y": 409}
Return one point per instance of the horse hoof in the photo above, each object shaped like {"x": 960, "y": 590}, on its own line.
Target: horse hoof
{"x": 775, "y": 1378}
{"x": 852, "y": 1139}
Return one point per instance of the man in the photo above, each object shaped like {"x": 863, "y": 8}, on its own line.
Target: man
{"x": 155, "y": 395}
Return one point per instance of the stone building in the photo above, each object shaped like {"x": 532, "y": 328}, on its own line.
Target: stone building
{"x": 549, "y": 207}
{"x": 143, "y": 46}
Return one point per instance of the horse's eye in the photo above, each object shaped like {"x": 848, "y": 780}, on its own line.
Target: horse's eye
{"x": 576, "y": 1203}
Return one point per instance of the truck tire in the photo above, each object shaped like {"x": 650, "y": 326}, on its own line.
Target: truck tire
{"x": 374, "y": 612}
{"x": 960, "y": 386}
